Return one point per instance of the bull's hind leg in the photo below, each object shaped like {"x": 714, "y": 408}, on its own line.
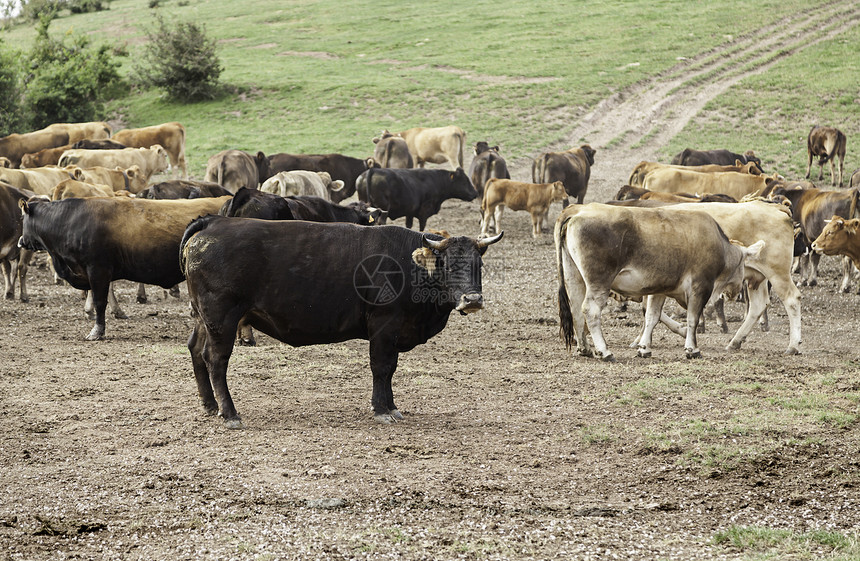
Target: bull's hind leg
{"x": 383, "y": 363}
{"x": 9, "y": 274}
{"x": 574, "y": 286}
{"x": 592, "y": 307}
{"x": 695, "y": 307}
{"x": 653, "y": 311}
{"x": 216, "y": 351}
{"x": 23, "y": 265}
{"x": 757, "y": 299}
{"x": 196, "y": 342}
{"x": 99, "y": 290}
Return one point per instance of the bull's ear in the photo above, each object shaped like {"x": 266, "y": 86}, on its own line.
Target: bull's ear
{"x": 738, "y": 163}
{"x": 260, "y": 156}
{"x": 77, "y": 173}
{"x": 496, "y": 148}
{"x": 25, "y": 208}
{"x": 375, "y": 140}
{"x": 425, "y": 258}
{"x": 336, "y": 185}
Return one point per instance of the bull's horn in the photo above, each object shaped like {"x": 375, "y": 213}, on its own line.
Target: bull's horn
{"x": 490, "y": 241}
{"x": 433, "y": 244}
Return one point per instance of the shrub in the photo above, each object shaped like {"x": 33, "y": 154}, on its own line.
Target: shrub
{"x": 86, "y": 6}
{"x": 69, "y": 81}
{"x": 181, "y": 61}
{"x": 11, "y": 113}
{"x": 35, "y": 10}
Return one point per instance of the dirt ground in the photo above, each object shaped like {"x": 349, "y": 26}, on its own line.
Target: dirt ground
{"x": 512, "y": 448}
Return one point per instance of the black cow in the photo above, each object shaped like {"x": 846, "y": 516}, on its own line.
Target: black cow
{"x": 252, "y": 203}
{"x": 313, "y": 283}
{"x": 104, "y": 144}
{"x": 413, "y": 193}
{"x": 13, "y": 260}
{"x": 95, "y": 241}
{"x": 183, "y": 189}
{"x": 487, "y": 164}
{"x": 338, "y": 166}
{"x": 690, "y": 157}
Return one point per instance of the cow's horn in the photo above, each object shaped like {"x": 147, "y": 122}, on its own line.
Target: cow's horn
{"x": 482, "y": 243}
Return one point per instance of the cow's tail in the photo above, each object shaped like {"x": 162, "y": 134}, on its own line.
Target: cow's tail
{"x": 541, "y": 168}
{"x": 565, "y": 317}
{"x": 362, "y": 185}
{"x": 221, "y": 165}
{"x": 196, "y": 226}
{"x": 462, "y": 137}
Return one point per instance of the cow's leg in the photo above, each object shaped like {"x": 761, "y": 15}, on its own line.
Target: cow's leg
{"x": 814, "y": 259}
{"x": 196, "y": 342}
{"x": 720, "y": 313}
{"x": 757, "y": 299}
{"x": 409, "y": 222}
{"x": 99, "y": 290}
{"x": 383, "y": 363}
{"x": 592, "y": 306}
{"x": 23, "y": 265}
{"x": 498, "y": 217}
{"x": 217, "y": 348}
{"x": 537, "y": 222}
{"x": 174, "y": 291}
{"x": 485, "y": 221}
{"x": 695, "y": 307}
{"x": 845, "y": 285}
{"x": 89, "y": 307}
{"x": 653, "y": 311}
{"x": 833, "y": 173}
{"x": 114, "y": 305}
{"x": 789, "y": 294}
{"x": 9, "y": 274}
{"x": 422, "y": 222}
{"x": 841, "y": 168}
{"x": 574, "y": 287}
{"x": 141, "y": 293}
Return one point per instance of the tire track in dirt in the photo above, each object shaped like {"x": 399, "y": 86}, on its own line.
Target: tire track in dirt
{"x": 632, "y": 125}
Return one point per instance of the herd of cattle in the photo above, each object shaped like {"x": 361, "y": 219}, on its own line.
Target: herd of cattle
{"x": 267, "y": 242}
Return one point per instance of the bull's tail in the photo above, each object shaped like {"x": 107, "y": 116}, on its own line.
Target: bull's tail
{"x": 564, "y": 315}
{"x": 197, "y": 225}
{"x": 362, "y": 185}
{"x": 541, "y": 168}
{"x": 221, "y": 171}
{"x": 461, "y": 136}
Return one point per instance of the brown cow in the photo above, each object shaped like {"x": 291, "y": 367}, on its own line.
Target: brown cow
{"x": 827, "y": 143}
{"x": 436, "y": 145}
{"x": 734, "y": 184}
{"x": 95, "y": 130}
{"x": 637, "y": 176}
{"x": 487, "y": 164}
{"x": 151, "y": 160}
{"x": 516, "y": 195}
{"x": 42, "y": 158}
{"x": 571, "y": 167}
{"x": 392, "y": 151}
{"x": 234, "y": 169}
{"x": 854, "y": 183}
{"x": 171, "y": 136}
{"x": 840, "y": 237}
{"x": 629, "y": 193}
{"x": 13, "y": 260}
{"x": 811, "y": 208}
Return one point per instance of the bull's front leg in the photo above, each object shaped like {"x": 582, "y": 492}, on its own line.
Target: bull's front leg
{"x": 845, "y": 285}
{"x": 141, "y": 293}
{"x": 9, "y": 274}
{"x": 23, "y": 265}
{"x": 99, "y": 289}
{"x": 383, "y": 363}
{"x": 757, "y": 299}
{"x": 695, "y": 307}
{"x": 653, "y": 311}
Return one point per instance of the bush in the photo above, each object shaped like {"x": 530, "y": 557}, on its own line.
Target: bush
{"x": 11, "y": 113}
{"x": 35, "y": 10}
{"x": 69, "y": 81}
{"x": 86, "y": 6}
{"x": 181, "y": 61}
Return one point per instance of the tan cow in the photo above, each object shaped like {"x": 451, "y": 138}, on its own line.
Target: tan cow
{"x": 840, "y": 237}
{"x": 15, "y": 145}
{"x": 74, "y": 189}
{"x": 42, "y": 158}
{"x": 391, "y": 151}
{"x": 638, "y": 252}
{"x": 38, "y": 180}
{"x": 150, "y": 160}
{"x": 169, "y": 135}
{"x": 5, "y": 162}
{"x": 300, "y": 183}
{"x": 436, "y": 145}
{"x": 731, "y": 183}
{"x": 637, "y": 176}
{"x": 516, "y": 195}
{"x": 827, "y": 143}
{"x": 96, "y": 130}
{"x": 130, "y": 179}
{"x": 234, "y": 169}
{"x": 630, "y": 193}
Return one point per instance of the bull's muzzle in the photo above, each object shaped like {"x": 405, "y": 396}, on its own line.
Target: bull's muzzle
{"x": 471, "y": 302}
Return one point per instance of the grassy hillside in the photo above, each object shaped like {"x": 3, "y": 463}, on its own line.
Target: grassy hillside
{"x": 326, "y": 76}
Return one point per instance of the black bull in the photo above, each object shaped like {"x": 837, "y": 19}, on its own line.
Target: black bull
{"x": 313, "y": 283}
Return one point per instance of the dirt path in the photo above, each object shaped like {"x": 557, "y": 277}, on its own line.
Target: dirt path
{"x": 633, "y": 125}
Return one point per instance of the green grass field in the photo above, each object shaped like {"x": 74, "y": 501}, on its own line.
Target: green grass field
{"x": 308, "y": 77}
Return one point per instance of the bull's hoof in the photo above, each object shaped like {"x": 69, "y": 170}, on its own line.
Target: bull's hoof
{"x": 813, "y": 282}
{"x": 387, "y": 418}
{"x": 234, "y": 424}
{"x": 691, "y": 353}
{"x": 96, "y": 334}
{"x": 247, "y": 342}
{"x": 792, "y": 351}
{"x": 174, "y": 291}
{"x": 608, "y": 357}
{"x": 642, "y": 353}
{"x": 397, "y": 414}
{"x": 119, "y": 314}
{"x": 210, "y": 408}
{"x": 141, "y": 299}
{"x": 10, "y": 295}
{"x": 724, "y": 328}
{"x": 25, "y": 299}
{"x": 585, "y": 352}
{"x": 764, "y": 327}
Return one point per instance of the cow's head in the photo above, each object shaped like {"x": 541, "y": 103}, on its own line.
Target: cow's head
{"x": 749, "y": 156}
{"x": 162, "y": 158}
{"x": 368, "y": 215}
{"x": 136, "y": 180}
{"x": 264, "y": 171}
{"x": 589, "y": 153}
{"x": 29, "y": 237}
{"x": 461, "y": 186}
{"x": 454, "y": 268}
{"x": 731, "y": 281}
{"x": 837, "y": 235}
{"x": 557, "y": 192}
{"x": 5, "y": 162}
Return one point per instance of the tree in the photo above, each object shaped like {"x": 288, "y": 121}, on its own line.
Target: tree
{"x": 11, "y": 112}
{"x": 180, "y": 60}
